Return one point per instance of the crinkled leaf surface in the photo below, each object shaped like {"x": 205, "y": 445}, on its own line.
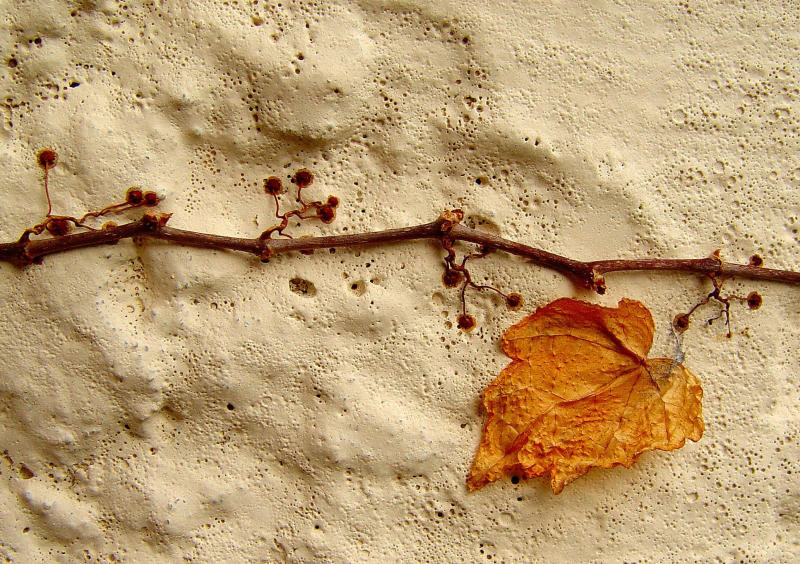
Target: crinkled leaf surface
{"x": 580, "y": 392}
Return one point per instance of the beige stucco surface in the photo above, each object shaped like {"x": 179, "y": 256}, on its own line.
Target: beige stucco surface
{"x": 161, "y": 403}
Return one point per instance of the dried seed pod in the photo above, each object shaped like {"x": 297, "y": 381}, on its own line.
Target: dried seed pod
{"x": 681, "y": 322}
{"x": 273, "y": 185}
{"x": 150, "y": 198}
{"x": 326, "y": 213}
{"x": 303, "y": 178}
{"x": 514, "y": 301}
{"x": 754, "y": 300}
{"x": 451, "y": 278}
{"x": 466, "y": 322}
{"x": 47, "y": 158}
{"x": 134, "y": 195}
{"x": 58, "y": 227}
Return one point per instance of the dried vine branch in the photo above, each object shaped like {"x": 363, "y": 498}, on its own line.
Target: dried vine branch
{"x": 447, "y": 229}
{"x": 587, "y": 274}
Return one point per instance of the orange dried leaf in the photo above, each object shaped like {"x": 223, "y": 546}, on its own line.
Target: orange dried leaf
{"x": 580, "y": 392}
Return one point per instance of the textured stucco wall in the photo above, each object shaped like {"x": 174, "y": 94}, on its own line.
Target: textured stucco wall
{"x": 159, "y": 402}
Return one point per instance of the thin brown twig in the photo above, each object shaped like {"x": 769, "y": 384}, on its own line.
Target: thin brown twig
{"x": 588, "y": 274}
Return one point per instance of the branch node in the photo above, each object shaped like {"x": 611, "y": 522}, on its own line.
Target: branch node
{"x": 265, "y": 253}
{"x": 153, "y": 221}
{"x": 23, "y": 257}
{"x": 448, "y": 219}
{"x": 598, "y": 283}
{"x": 716, "y": 260}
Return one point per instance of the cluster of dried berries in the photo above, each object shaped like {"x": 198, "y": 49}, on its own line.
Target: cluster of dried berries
{"x": 324, "y": 211}
{"x": 60, "y": 225}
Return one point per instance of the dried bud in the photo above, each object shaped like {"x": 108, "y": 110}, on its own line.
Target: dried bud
{"x": 134, "y": 196}
{"x": 47, "y": 158}
{"x": 754, "y": 300}
{"x": 109, "y": 225}
{"x": 303, "y": 178}
{"x": 333, "y": 201}
{"x": 451, "y": 278}
{"x": 150, "y": 198}
{"x": 681, "y": 322}
{"x": 273, "y": 185}
{"x": 756, "y": 260}
{"x": 58, "y": 227}
{"x": 514, "y": 301}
